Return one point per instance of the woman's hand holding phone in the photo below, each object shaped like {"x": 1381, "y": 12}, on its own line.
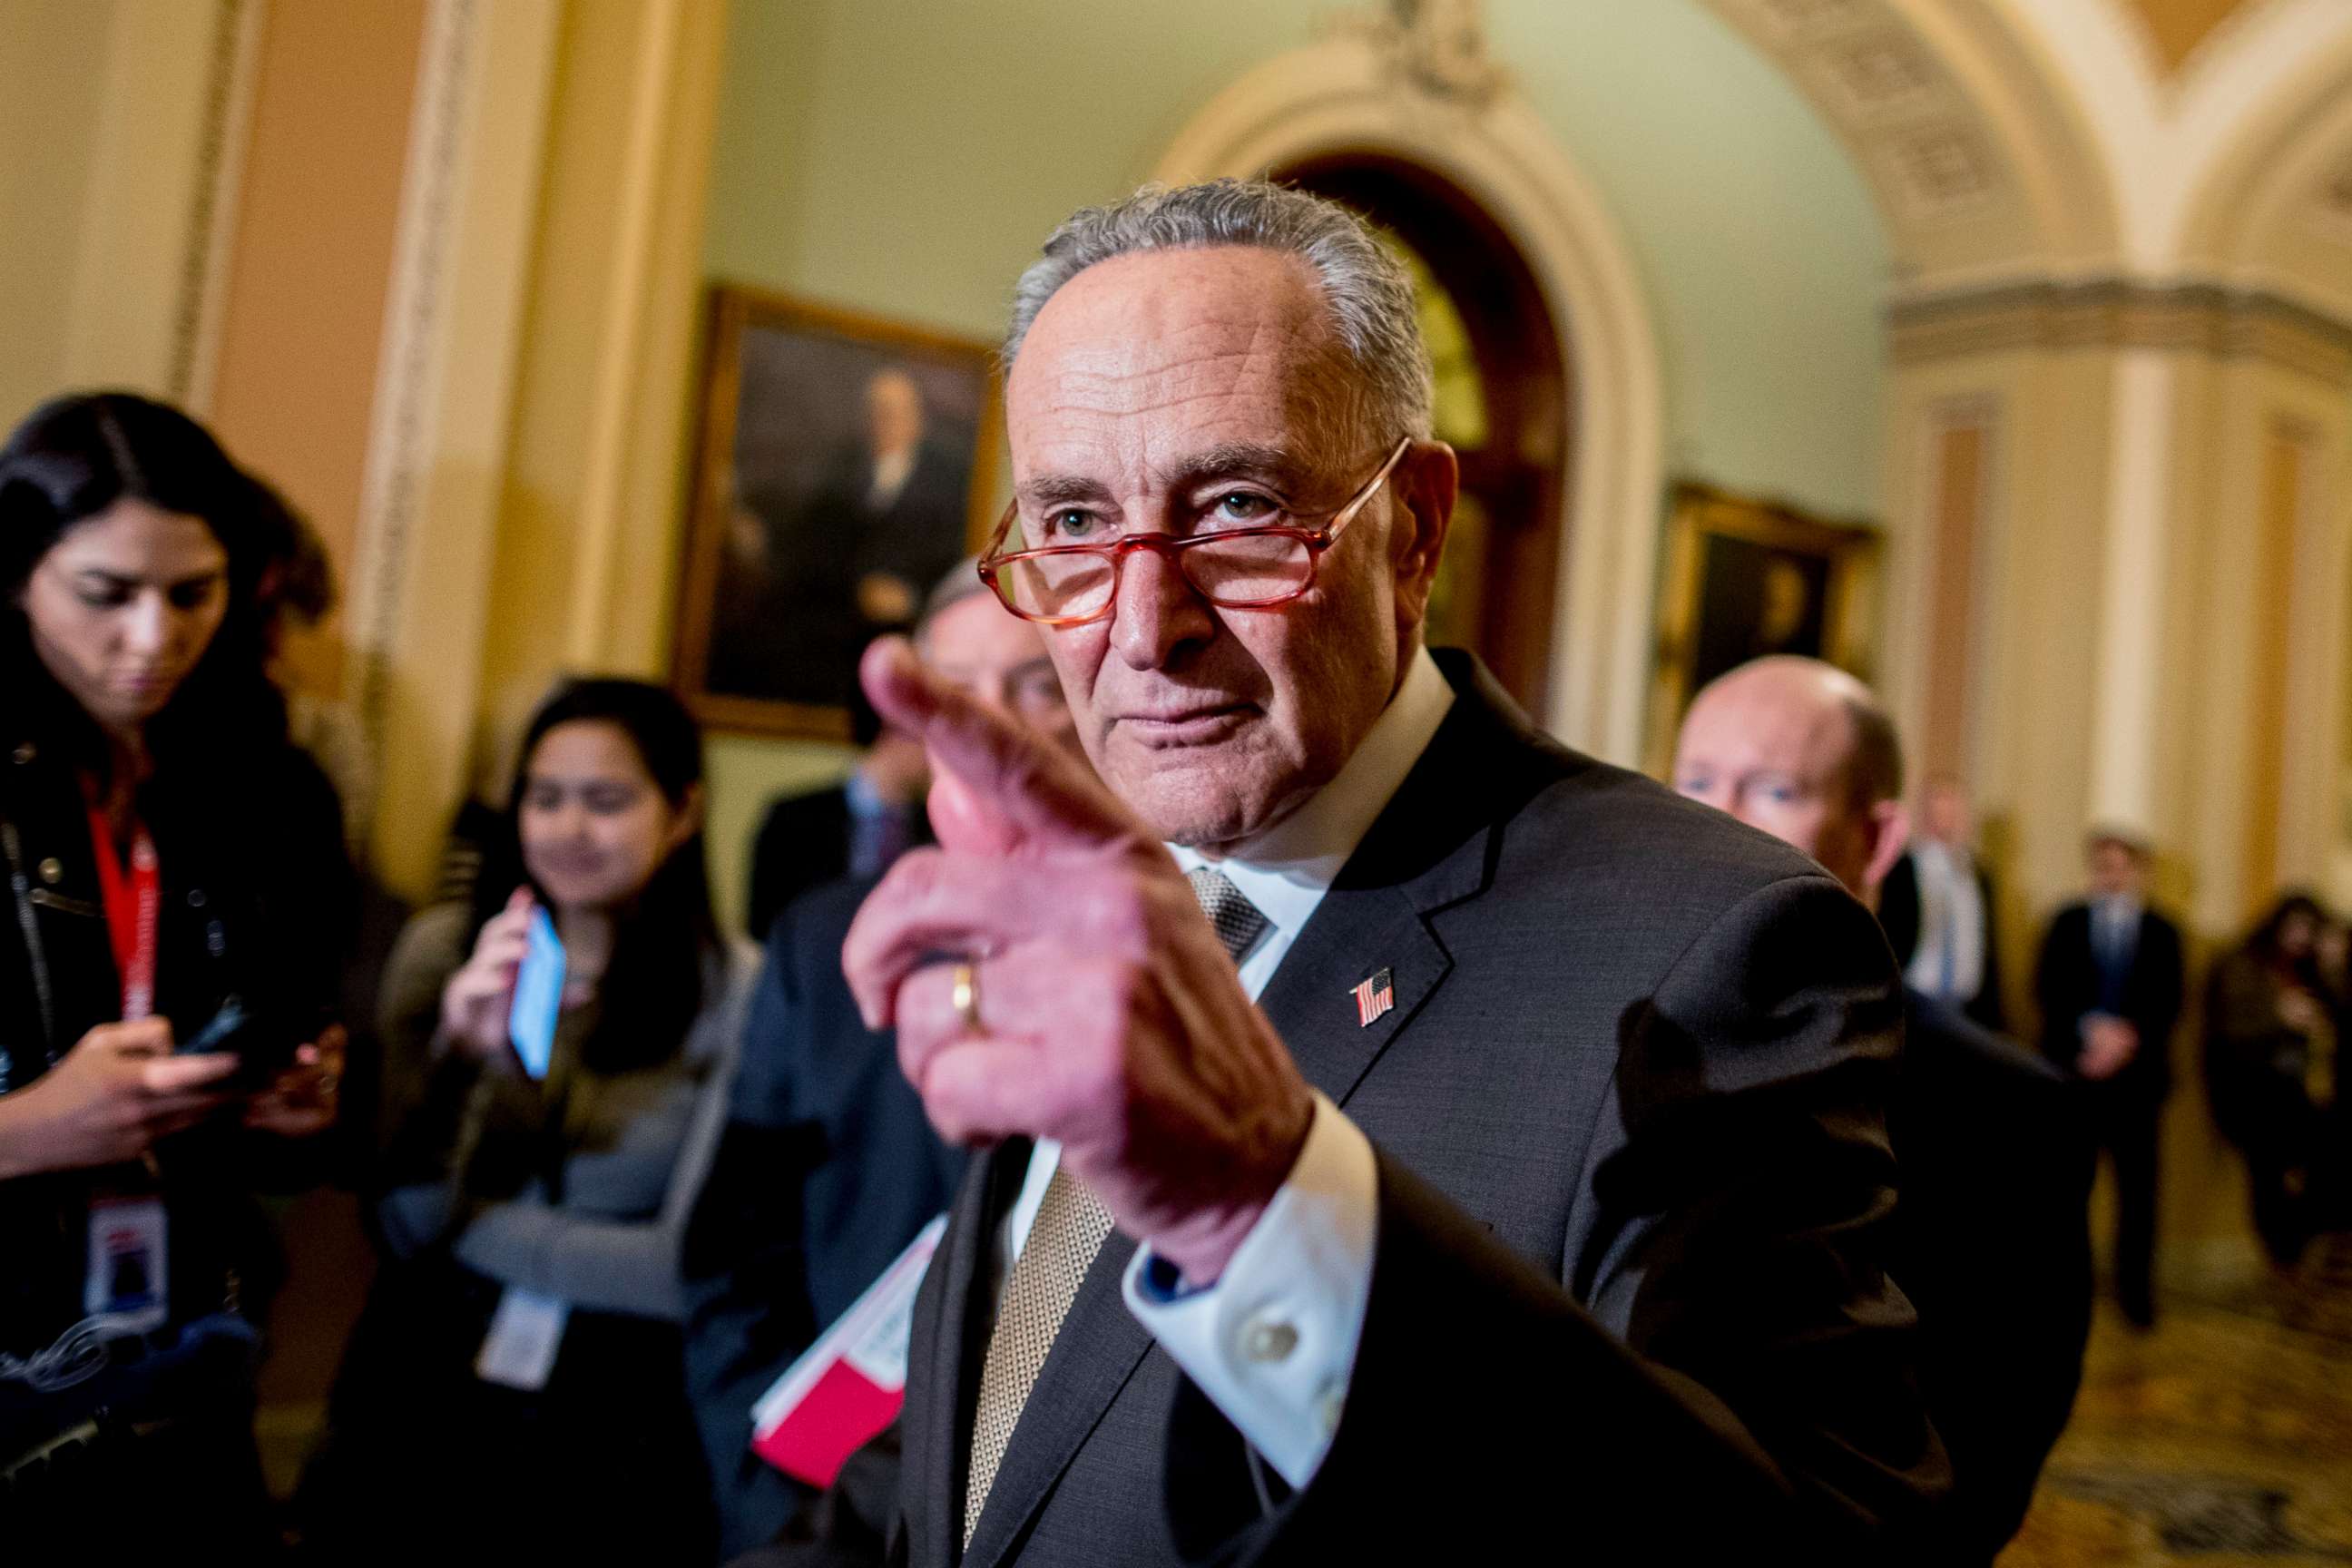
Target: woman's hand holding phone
{"x": 108, "y": 1100}
{"x": 301, "y": 1101}
{"x": 475, "y": 1002}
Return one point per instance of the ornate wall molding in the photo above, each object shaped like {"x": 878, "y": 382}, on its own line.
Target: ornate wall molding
{"x": 202, "y": 296}
{"x": 1968, "y": 145}
{"x": 2117, "y": 313}
{"x": 400, "y": 448}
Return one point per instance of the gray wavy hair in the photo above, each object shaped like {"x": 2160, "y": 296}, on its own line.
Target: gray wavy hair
{"x": 1368, "y": 291}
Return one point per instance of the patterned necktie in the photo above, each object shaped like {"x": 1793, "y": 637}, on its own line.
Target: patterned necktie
{"x": 1068, "y": 1231}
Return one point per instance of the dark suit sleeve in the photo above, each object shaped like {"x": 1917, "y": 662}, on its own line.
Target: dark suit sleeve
{"x": 747, "y": 1299}
{"x": 1995, "y": 1251}
{"x": 773, "y": 875}
{"x": 309, "y": 916}
{"x": 853, "y": 1524}
{"x": 2164, "y": 985}
{"x": 1727, "y": 1374}
{"x": 1991, "y": 1008}
{"x": 1899, "y": 909}
{"x": 2031, "y": 1316}
{"x": 2057, "y": 987}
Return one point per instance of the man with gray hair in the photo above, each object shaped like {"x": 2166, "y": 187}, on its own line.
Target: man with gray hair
{"x": 1406, "y": 1139}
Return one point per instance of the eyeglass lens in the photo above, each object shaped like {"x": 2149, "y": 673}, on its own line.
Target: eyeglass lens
{"x": 1236, "y": 572}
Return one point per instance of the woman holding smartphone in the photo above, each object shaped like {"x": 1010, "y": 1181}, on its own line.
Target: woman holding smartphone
{"x": 521, "y": 1353}
{"x": 175, "y": 874}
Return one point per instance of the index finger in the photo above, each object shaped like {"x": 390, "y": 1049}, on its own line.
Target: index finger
{"x": 176, "y": 1075}
{"x": 1000, "y": 786}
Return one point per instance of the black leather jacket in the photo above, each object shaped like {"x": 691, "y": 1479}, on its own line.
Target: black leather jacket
{"x": 257, "y": 899}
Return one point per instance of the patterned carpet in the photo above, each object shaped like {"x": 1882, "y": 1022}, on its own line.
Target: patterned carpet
{"x": 2224, "y": 1437}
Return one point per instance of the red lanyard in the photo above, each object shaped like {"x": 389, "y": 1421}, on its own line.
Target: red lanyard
{"x": 131, "y": 902}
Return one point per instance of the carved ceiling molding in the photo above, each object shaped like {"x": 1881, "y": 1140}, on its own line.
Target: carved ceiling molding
{"x": 1434, "y": 48}
{"x": 1919, "y": 134}
{"x": 2013, "y": 139}
{"x": 2116, "y": 313}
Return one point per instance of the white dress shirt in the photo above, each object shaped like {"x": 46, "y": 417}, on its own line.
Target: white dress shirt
{"x": 1273, "y": 1340}
{"x": 1951, "y": 923}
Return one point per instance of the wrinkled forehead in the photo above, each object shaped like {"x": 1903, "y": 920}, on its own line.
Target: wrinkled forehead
{"x": 1141, "y": 357}
{"x": 1747, "y": 728}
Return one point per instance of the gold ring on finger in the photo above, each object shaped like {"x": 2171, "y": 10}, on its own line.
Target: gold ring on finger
{"x": 964, "y": 993}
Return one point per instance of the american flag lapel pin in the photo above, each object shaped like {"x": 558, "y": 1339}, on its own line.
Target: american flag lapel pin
{"x": 1375, "y": 996}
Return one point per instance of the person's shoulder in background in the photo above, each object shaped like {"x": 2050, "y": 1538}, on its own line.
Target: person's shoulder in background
{"x": 802, "y": 842}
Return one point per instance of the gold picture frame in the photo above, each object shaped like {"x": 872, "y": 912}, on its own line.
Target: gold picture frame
{"x": 804, "y": 538}
{"x": 1741, "y": 578}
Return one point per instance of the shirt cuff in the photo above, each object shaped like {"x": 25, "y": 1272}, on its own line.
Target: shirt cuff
{"x": 1273, "y": 1343}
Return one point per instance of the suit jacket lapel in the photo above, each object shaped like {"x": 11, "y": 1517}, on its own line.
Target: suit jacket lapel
{"x": 1353, "y": 933}
{"x": 1425, "y": 852}
{"x": 944, "y": 1361}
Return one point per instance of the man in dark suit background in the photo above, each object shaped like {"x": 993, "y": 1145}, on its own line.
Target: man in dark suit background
{"x": 853, "y": 828}
{"x": 1484, "y": 1153}
{"x": 2109, "y": 982}
{"x": 827, "y": 1168}
{"x": 1992, "y": 1243}
{"x": 1938, "y": 908}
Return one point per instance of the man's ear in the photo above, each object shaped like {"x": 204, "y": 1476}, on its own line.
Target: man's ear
{"x": 1890, "y": 832}
{"x": 1425, "y": 485}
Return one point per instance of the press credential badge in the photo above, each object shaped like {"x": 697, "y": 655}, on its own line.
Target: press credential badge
{"x": 129, "y": 1272}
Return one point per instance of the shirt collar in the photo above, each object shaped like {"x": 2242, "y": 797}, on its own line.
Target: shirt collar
{"x": 1935, "y": 852}
{"x": 1287, "y": 870}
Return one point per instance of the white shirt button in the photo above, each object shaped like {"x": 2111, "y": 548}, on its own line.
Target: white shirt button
{"x": 1267, "y": 1340}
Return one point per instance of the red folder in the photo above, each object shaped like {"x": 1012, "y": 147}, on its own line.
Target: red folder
{"x": 848, "y": 1386}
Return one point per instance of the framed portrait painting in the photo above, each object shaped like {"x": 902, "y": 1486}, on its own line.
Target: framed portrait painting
{"x": 845, "y": 463}
{"x": 1741, "y": 578}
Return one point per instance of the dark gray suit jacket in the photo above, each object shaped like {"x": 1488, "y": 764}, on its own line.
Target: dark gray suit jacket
{"x": 826, "y": 1169}
{"x": 1634, "y": 1192}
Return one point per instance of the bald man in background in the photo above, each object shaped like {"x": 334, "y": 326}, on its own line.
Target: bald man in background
{"x": 1991, "y": 1244}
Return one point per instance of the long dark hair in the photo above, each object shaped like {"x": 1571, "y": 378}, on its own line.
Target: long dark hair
{"x": 2263, "y": 941}
{"x": 71, "y": 459}
{"x": 662, "y": 945}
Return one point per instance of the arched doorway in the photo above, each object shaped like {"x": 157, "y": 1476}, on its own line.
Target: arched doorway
{"x": 1348, "y": 96}
{"x": 1503, "y": 391}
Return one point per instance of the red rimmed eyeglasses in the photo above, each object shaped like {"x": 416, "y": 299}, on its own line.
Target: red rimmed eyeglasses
{"x": 1252, "y": 568}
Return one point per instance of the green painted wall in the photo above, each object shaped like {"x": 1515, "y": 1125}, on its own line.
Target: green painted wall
{"x": 906, "y": 156}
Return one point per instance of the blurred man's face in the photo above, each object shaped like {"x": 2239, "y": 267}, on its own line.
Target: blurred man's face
{"x": 2116, "y": 871}
{"x": 894, "y": 413}
{"x": 1948, "y": 814}
{"x": 2299, "y": 935}
{"x": 1168, "y": 391}
{"x": 1773, "y": 746}
{"x": 995, "y": 655}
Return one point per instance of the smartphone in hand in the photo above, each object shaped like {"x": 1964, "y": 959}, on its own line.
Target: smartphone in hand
{"x": 263, "y": 1046}
{"x": 538, "y": 995}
